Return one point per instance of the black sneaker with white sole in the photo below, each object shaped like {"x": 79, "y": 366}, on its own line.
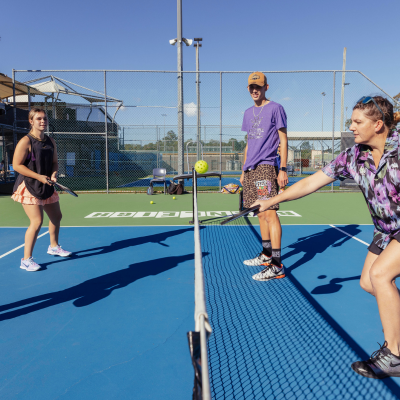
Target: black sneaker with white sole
{"x": 382, "y": 364}
{"x": 258, "y": 260}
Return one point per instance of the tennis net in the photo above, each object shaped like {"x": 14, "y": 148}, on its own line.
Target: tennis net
{"x": 198, "y": 338}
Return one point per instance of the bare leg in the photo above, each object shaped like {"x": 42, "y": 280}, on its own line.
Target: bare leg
{"x": 270, "y": 226}
{"x": 35, "y": 215}
{"x": 365, "y": 281}
{"x": 264, "y": 227}
{"x": 53, "y": 211}
{"x": 383, "y": 274}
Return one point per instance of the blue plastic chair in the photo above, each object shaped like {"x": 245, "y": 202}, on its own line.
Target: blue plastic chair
{"x": 290, "y": 170}
{"x": 159, "y": 177}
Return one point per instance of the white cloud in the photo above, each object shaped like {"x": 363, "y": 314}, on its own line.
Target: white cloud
{"x": 190, "y": 109}
{"x": 308, "y": 112}
{"x": 287, "y": 98}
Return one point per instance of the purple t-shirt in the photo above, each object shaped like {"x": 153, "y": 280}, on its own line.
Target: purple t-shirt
{"x": 262, "y": 133}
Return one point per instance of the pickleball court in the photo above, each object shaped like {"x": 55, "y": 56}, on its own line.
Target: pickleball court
{"x": 110, "y": 322}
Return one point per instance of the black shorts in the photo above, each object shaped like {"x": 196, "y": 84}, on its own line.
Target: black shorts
{"x": 373, "y": 247}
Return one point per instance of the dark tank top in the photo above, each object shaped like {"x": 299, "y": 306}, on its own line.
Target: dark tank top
{"x": 39, "y": 160}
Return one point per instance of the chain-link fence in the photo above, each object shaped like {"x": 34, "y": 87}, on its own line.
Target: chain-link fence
{"x": 113, "y": 128}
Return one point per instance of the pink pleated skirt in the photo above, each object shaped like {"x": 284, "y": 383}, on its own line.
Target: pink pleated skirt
{"x": 23, "y": 196}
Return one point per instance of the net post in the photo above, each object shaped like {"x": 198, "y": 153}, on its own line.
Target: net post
{"x": 106, "y": 128}
{"x": 205, "y": 377}
{"x": 194, "y": 192}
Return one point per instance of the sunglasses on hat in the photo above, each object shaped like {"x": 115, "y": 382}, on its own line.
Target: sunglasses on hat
{"x": 368, "y": 99}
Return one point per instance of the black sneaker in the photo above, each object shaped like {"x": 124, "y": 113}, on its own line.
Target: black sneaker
{"x": 382, "y": 364}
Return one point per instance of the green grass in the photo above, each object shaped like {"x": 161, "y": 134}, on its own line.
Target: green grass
{"x": 318, "y": 208}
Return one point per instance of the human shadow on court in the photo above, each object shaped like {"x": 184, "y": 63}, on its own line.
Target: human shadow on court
{"x": 92, "y": 290}
{"x": 333, "y": 286}
{"x": 318, "y": 243}
{"x": 157, "y": 238}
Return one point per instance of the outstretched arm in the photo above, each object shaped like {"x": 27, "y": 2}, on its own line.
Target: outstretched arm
{"x": 300, "y": 189}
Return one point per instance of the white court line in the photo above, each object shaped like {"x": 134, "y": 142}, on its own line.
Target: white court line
{"x": 146, "y": 226}
{"x": 348, "y": 234}
{"x": 22, "y": 245}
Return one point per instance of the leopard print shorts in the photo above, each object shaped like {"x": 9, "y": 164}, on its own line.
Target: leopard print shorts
{"x": 260, "y": 184}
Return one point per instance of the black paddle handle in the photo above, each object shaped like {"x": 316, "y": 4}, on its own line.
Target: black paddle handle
{"x": 241, "y": 214}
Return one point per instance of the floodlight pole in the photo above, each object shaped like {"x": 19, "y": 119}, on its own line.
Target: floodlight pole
{"x": 343, "y": 85}
{"x": 197, "y": 46}
{"x": 181, "y": 155}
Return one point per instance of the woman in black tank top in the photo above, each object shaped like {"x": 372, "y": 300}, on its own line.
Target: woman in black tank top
{"x": 35, "y": 160}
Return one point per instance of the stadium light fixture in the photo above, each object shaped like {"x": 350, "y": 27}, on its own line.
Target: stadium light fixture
{"x": 188, "y": 42}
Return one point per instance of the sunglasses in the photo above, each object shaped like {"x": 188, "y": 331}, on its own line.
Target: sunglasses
{"x": 368, "y": 99}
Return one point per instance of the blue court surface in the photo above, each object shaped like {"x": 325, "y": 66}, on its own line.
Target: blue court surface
{"x": 206, "y": 182}
{"x": 111, "y": 321}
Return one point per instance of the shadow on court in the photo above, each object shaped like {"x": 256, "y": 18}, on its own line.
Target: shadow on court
{"x": 92, "y": 290}
{"x": 333, "y": 286}
{"x": 318, "y": 243}
{"x": 158, "y": 238}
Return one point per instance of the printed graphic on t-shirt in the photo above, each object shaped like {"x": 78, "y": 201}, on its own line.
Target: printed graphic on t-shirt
{"x": 263, "y": 189}
{"x": 255, "y": 131}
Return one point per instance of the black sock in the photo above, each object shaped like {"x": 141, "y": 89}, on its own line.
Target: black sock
{"x": 267, "y": 248}
{"x": 276, "y": 257}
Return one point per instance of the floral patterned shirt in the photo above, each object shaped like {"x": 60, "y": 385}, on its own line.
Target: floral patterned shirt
{"x": 380, "y": 186}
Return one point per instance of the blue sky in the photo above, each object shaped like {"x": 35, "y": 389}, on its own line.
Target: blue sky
{"x": 237, "y": 35}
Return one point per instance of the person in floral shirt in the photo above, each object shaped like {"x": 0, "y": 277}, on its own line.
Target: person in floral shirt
{"x": 373, "y": 163}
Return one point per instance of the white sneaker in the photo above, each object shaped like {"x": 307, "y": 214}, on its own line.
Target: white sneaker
{"x": 260, "y": 259}
{"x": 58, "y": 251}
{"x": 270, "y": 271}
{"x": 29, "y": 265}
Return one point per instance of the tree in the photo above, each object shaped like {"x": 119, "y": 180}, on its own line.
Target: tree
{"x": 305, "y": 148}
{"x": 347, "y": 124}
{"x": 171, "y": 135}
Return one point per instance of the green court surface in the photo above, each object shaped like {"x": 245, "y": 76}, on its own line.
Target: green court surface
{"x": 135, "y": 209}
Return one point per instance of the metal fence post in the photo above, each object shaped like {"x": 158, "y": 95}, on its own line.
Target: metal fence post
{"x": 333, "y": 121}
{"x": 220, "y": 128}
{"x": 3, "y": 155}
{"x": 15, "y": 111}
{"x": 157, "y": 147}
{"x": 106, "y": 128}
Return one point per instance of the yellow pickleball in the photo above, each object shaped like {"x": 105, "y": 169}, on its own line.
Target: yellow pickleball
{"x": 152, "y": 202}
{"x": 201, "y": 167}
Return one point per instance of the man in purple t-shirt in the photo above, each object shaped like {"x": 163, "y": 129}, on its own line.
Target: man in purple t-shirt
{"x": 265, "y": 124}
